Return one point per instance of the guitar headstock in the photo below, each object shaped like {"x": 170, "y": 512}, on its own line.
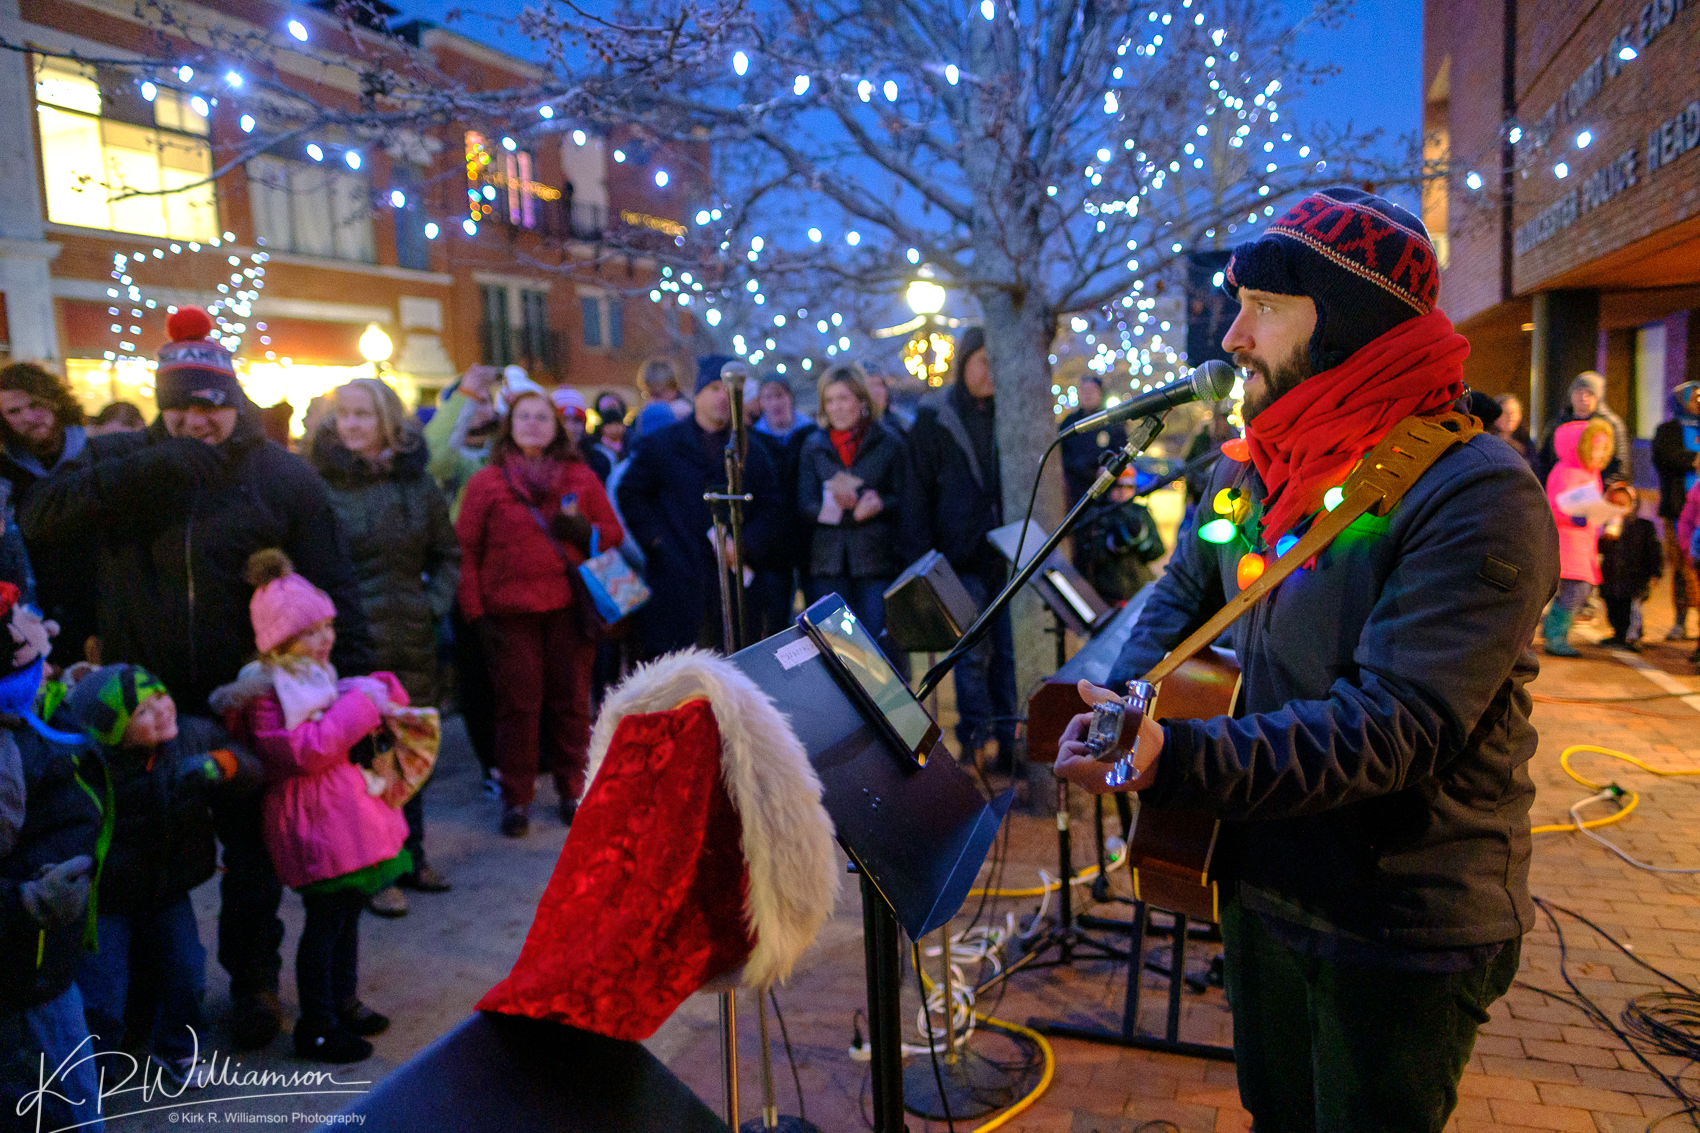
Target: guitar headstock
{"x": 1110, "y": 720}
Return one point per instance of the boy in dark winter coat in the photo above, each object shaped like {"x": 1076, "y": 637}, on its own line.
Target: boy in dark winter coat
{"x": 1629, "y": 562}
{"x": 1116, "y": 542}
{"x": 165, "y": 774}
{"x": 49, "y": 845}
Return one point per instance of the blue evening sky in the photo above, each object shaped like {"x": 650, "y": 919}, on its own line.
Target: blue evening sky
{"x": 1378, "y": 50}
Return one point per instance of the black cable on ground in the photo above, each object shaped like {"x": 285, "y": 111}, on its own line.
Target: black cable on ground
{"x": 1649, "y": 1017}
{"x": 932, "y": 1047}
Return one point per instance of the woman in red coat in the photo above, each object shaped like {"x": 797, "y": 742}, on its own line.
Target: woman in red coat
{"x": 525, "y": 525}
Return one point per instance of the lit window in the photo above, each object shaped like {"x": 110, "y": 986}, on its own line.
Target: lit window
{"x": 315, "y": 210}
{"x": 119, "y": 164}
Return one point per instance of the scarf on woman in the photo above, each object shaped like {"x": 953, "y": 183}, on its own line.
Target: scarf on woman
{"x": 848, "y": 442}
{"x": 536, "y": 480}
{"x": 1313, "y": 435}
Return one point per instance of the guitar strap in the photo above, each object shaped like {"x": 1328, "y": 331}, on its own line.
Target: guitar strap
{"x": 1378, "y": 483}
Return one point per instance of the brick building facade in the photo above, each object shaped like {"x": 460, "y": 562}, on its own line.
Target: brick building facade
{"x": 324, "y": 235}
{"x": 1572, "y": 211}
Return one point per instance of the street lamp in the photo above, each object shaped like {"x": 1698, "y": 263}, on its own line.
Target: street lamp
{"x": 376, "y": 347}
{"x": 925, "y": 297}
{"x": 928, "y": 355}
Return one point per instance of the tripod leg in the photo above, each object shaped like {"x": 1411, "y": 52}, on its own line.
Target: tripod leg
{"x": 729, "y": 1054}
{"x": 1065, "y": 866}
{"x": 1135, "y": 970}
{"x": 1177, "y": 977}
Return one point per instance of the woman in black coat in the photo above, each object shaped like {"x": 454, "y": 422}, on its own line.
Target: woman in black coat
{"x": 406, "y": 560}
{"x": 853, "y": 481}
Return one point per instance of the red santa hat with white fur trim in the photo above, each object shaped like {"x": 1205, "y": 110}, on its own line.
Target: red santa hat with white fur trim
{"x": 700, "y": 857}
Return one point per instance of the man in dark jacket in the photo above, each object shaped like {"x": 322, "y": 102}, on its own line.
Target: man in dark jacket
{"x": 955, "y": 450}
{"x": 781, "y": 434}
{"x": 171, "y": 515}
{"x": 1676, "y": 446}
{"x": 1373, "y": 853}
{"x": 1588, "y": 401}
{"x": 41, "y": 424}
{"x": 1082, "y": 451}
{"x": 661, "y": 502}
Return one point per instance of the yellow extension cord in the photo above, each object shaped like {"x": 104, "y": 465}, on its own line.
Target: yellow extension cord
{"x": 1026, "y": 1102}
{"x": 1623, "y": 811}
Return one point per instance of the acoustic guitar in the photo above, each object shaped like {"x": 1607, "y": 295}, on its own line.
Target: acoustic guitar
{"x": 1170, "y": 851}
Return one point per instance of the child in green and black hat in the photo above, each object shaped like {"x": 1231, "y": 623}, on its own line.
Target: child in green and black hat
{"x": 166, "y": 772}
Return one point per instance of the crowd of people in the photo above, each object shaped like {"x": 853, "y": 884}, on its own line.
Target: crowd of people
{"x": 232, "y": 623}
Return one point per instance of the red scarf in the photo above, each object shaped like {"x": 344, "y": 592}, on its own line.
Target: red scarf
{"x": 847, "y": 442}
{"x": 1310, "y": 438}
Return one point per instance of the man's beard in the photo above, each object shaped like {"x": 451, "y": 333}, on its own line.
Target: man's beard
{"x": 1277, "y": 381}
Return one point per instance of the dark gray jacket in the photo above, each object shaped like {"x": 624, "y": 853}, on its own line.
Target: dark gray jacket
{"x": 1378, "y": 779}
{"x": 405, "y": 556}
{"x": 874, "y": 548}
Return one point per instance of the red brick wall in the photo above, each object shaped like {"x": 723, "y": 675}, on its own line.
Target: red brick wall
{"x": 1554, "y": 47}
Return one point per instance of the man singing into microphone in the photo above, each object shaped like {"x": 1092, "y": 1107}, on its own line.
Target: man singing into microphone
{"x": 1374, "y": 847}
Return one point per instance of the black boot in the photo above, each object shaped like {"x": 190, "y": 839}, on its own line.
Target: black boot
{"x": 330, "y": 1044}
{"x": 256, "y": 1018}
{"x": 358, "y": 1019}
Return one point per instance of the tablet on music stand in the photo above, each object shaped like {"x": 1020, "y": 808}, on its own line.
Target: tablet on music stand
{"x": 856, "y": 660}
{"x": 1064, "y": 590}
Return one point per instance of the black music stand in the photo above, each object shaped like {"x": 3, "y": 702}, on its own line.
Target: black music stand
{"x": 917, "y": 835}
{"x": 1075, "y": 607}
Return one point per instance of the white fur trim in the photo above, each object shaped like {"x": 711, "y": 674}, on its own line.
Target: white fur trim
{"x": 787, "y": 836}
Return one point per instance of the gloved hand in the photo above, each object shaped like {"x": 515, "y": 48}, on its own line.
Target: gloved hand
{"x": 180, "y": 461}
{"x": 374, "y": 690}
{"x": 60, "y": 894}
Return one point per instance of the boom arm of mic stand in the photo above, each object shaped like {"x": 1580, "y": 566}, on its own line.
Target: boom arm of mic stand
{"x": 1143, "y": 433}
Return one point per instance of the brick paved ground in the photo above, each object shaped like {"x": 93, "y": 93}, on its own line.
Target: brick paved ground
{"x": 1538, "y": 1064}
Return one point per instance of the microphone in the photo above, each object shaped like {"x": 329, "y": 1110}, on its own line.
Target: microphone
{"x": 1210, "y": 382}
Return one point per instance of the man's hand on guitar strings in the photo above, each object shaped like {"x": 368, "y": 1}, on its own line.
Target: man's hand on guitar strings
{"x": 1075, "y": 761}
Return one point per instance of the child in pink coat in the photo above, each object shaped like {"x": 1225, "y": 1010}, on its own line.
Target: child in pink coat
{"x": 1576, "y": 494}
{"x": 329, "y": 837}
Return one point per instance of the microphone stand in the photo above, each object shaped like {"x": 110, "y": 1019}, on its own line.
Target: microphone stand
{"x": 1140, "y": 436}
{"x": 729, "y": 531}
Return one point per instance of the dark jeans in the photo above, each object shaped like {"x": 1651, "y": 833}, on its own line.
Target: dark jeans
{"x": 250, "y": 935}
{"x": 866, "y": 598}
{"x": 155, "y": 962}
{"x": 414, "y": 811}
{"x": 985, "y": 678}
{"x": 327, "y": 961}
{"x": 1325, "y": 1047}
{"x": 768, "y": 602}
{"x": 1625, "y": 617}
{"x": 476, "y": 694}
{"x": 54, "y": 1029}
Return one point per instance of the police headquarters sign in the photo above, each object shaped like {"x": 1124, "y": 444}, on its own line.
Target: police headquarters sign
{"x": 1666, "y": 142}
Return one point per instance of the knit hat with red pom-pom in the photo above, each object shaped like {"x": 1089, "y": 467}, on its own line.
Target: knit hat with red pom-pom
{"x": 194, "y": 369}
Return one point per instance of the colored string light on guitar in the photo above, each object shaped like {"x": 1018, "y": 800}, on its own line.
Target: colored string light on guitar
{"x": 1249, "y": 569}
{"x": 1218, "y": 531}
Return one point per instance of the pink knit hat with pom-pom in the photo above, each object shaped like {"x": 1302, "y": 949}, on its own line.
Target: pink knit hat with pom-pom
{"x": 284, "y": 603}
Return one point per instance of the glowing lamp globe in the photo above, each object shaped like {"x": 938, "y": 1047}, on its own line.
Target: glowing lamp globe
{"x": 375, "y": 345}
{"x": 925, "y": 297}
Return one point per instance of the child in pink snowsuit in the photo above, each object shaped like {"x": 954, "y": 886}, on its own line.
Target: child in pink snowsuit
{"x": 329, "y": 837}
{"x": 1583, "y": 449}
